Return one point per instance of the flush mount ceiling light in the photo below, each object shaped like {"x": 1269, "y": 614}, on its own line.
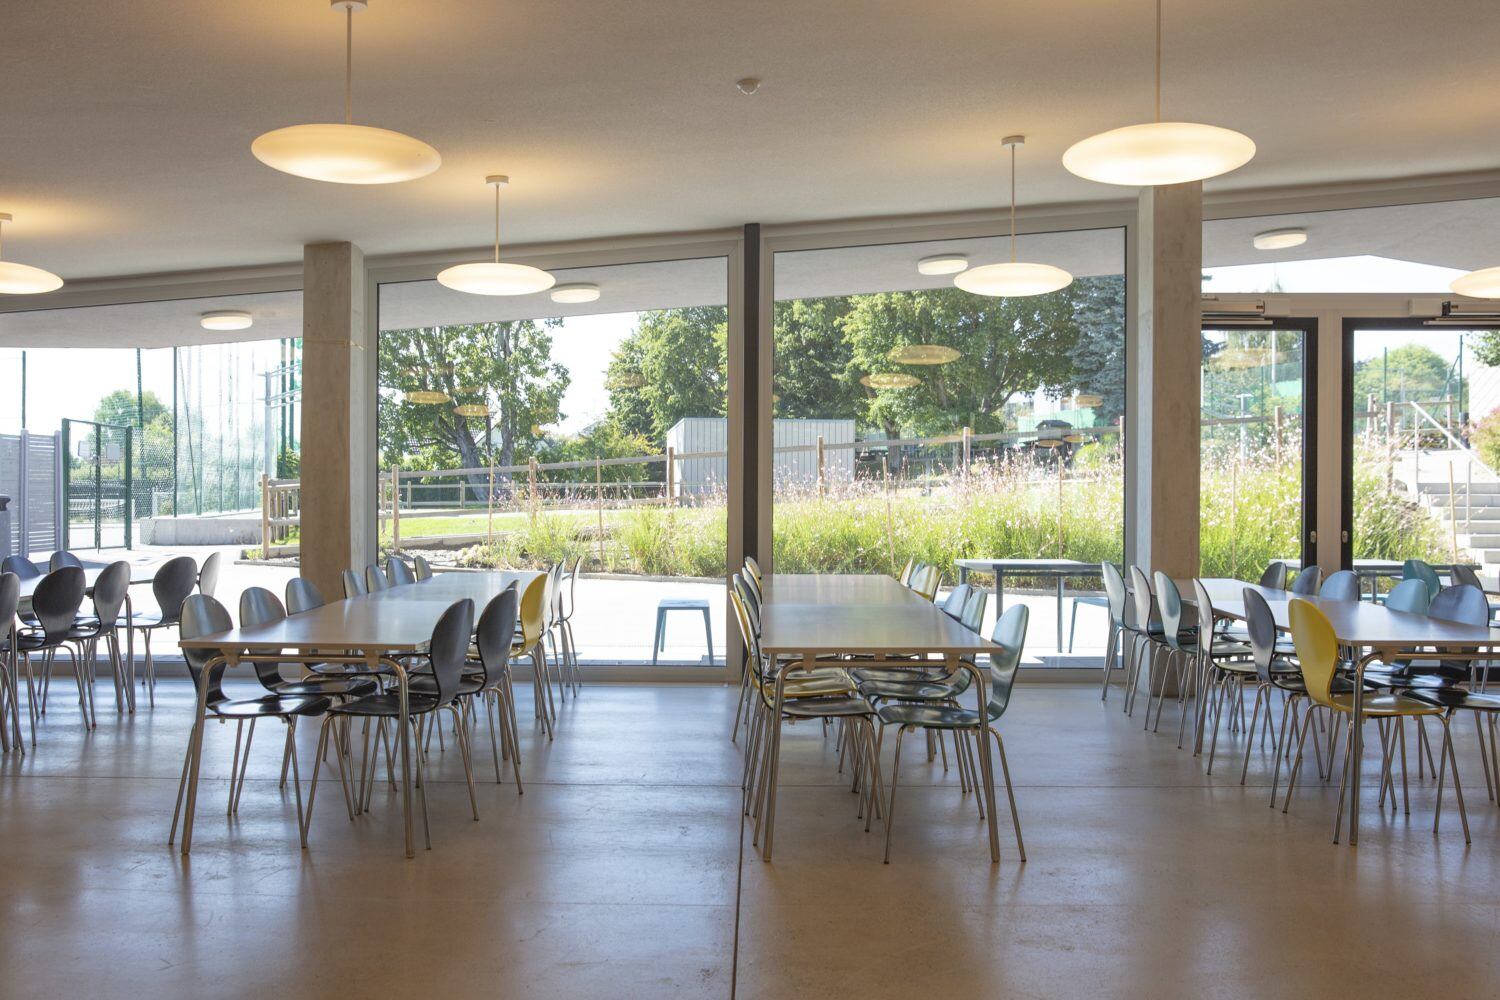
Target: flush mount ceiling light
{"x": 492, "y": 277}
{"x": 346, "y": 153}
{"x": 1483, "y": 284}
{"x": 1159, "y": 152}
{"x": 889, "y": 380}
{"x": 226, "y": 319}
{"x": 1012, "y": 279}
{"x": 428, "y": 397}
{"x": 1280, "y": 239}
{"x": 924, "y": 354}
{"x": 472, "y": 410}
{"x": 575, "y": 293}
{"x": 942, "y": 263}
{"x": 23, "y": 279}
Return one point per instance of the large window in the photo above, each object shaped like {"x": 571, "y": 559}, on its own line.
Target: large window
{"x": 523, "y": 432}
{"x": 918, "y": 421}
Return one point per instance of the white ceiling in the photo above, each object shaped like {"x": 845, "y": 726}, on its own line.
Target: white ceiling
{"x": 127, "y": 125}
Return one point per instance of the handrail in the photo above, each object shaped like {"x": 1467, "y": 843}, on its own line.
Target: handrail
{"x": 1457, "y": 444}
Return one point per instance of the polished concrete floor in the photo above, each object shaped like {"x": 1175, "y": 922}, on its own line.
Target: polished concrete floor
{"x": 624, "y": 872}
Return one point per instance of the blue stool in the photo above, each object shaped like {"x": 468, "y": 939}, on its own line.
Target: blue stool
{"x": 681, "y": 604}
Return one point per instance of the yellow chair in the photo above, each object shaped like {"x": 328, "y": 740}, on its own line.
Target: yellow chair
{"x": 753, "y": 569}
{"x": 906, "y": 571}
{"x": 925, "y": 580}
{"x": 1318, "y": 655}
{"x": 532, "y": 626}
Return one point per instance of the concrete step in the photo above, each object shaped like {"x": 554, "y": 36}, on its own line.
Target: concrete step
{"x": 1459, "y": 485}
{"x": 1479, "y": 541}
{"x": 1479, "y": 501}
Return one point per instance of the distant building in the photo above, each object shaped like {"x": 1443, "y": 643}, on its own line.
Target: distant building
{"x": 698, "y": 476}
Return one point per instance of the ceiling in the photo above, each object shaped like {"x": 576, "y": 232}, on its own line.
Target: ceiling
{"x": 128, "y": 126}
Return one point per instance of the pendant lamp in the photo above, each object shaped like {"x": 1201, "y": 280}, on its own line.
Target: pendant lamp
{"x": 346, "y": 153}
{"x": 23, "y": 279}
{"x": 492, "y": 277}
{"x": 1013, "y": 279}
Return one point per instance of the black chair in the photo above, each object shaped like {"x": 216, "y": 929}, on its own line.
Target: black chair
{"x": 1275, "y": 672}
{"x": 171, "y": 585}
{"x": 1340, "y": 586}
{"x": 208, "y": 576}
{"x": 447, "y": 652}
{"x": 1308, "y": 581}
{"x": 398, "y": 572}
{"x": 354, "y": 584}
{"x": 1275, "y": 576}
{"x": 55, "y": 603}
{"x": 110, "y": 588}
{"x": 492, "y": 639}
{"x": 258, "y": 606}
{"x": 201, "y": 615}
{"x": 62, "y": 558}
{"x": 421, "y": 569}
{"x": 1466, "y": 575}
{"x": 22, "y": 567}
{"x": 10, "y": 700}
{"x": 375, "y": 579}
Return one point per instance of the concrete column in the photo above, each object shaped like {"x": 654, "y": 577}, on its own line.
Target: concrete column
{"x": 1162, "y": 437}
{"x": 338, "y": 415}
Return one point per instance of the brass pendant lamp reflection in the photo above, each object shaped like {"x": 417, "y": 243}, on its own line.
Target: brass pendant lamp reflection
{"x": 493, "y": 277}
{"x": 1013, "y": 279}
{"x": 1159, "y": 152}
{"x": 346, "y": 153}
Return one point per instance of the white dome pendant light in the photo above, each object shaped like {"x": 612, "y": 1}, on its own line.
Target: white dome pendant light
{"x": 1483, "y": 284}
{"x": 23, "y": 279}
{"x": 493, "y": 277}
{"x": 347, "y": 153}
{"x": 1013, "y": 280}
{"x": 1159, "y": 152}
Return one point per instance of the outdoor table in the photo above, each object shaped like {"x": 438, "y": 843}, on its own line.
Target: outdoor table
{"x": 1384, "y": 634}
{"x": 805, "y": 616}
{"x": 374, "y": 629}
{"x": 1057, "y": 569}
{"x": 1373, "y": 570}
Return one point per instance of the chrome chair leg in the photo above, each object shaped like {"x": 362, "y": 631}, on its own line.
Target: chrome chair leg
{"x": 1446, "y": 755}
{"x": 890, "y": 808}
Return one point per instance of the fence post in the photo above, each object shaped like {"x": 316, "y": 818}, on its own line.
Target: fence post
{"x": 489, "y": 527}
{"x": 1370, "y": 414}
{"x": 265, "y": 516}
{"x": 1276, "y": 430}
{"x": 531, "y": 488}
{"x": 820, "y": 467}
{"x": 968, "y": 450}
{"x": 396, "y": 509}
{"x": 671, "y": 497}
{"x": 1060, "y": 498}
{"x": 1452, "y": 510}
{"x": 1390, "y": 446}
{"x": 599, "y": 500}
{"x": 890, "y": 527}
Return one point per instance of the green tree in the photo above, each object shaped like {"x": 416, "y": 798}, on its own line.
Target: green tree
{"x": 120, "y": 408}
{"x": 675, "y": 364}
{"x": 815, "y": 373}
{"x": 1098, "y": 356}
{"x": 1410, "y": 371}
{"x": 507, "y": 367}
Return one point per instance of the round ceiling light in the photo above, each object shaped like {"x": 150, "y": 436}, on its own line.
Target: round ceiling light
{"x": 226, "y": 319}
{"x": 1013, "y": 279}
{"x": 428, "y": 397}
{"x": 942, "y": 263}
{"x": 1483, "y": 284}
{"x": 472, "y": 410}
{"x": 492, "y": 277}
{"x": 1280, "y": 239}
{"x": 346, "y": 153}
{"x": 626, "y": 380}
{"x": 575, "y": 293}
{"x": 924, "y": 354}
{"x": 1158, "y": 152}
{"x": 889, "y": 380}
{"x": 1088, "y": 399}
{"x": 23, "y": 279}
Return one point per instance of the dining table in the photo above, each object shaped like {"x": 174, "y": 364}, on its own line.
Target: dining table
{"x": 377, "y": 630}
{"x": 1381, "y": 633}
{"x": 1059, "y": 571}
{"x": 804, "y": 616}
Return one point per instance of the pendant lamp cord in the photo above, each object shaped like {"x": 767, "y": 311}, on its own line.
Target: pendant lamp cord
{"x": 349, "y": 65}
{"x": 1158, "y": 60}
{"x": 497, "y": 223}
{"x": 1013, "y": 203}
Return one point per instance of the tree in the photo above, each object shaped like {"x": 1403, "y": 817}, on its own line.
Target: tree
{"x": 815, "y": 374}
{"x": 1411, "y": 371}
{"x": 1098, "y": 356}
{"x": 674, "y": 365}
{"x": 507, "y": 367}
{"x": 121, "y": 409}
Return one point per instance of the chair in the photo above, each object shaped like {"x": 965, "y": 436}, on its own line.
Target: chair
{"x": 171, "y": 585}
{"x": 1275, "y": 576}
{"x": 258, "y": 606}
{"x": 62, "y": 558}
{"x": 1175, "y": 644}
{"x": 1010, "y": 634}
{"x": 972, "y": 616}
{"x": 1308, "y": 581}
{"x": 398, "y": 572}
{"x": 925, "y": 580}
{"x": 1221, "y": 665}
{"x": 22, "y": 567}
{"x": 354, "y": 584}
{"x": 953, "y": 604}
{"x": 1090, "y": 600}
{"x": 448, "y": 649}
{"x": 567, "y": 602}
{"x": 1463, "y": 604}
{"x": 1318, "y": 657}
{"x": 110, "y": 588}
{"x": 751, "y": 566}
{"x": 1417, "y": 569}
{"x": 302, "y": 595}
{"x": 904, "y": 577}
{"x": 208, "y": 575}
{"x": 1467, "y": 575}
{"x": 201, "y": 615}
{"x": 492, "y": 639}
{"x": 1340, "y": 586}
{"x": 1114, "y": 590}
{"x": 1274, "y": 673}
{"x": 421, "y": 569}
{"x": 533, "y": 622}
{"x": 1410, "y": 596}
{"x": 375, "y": 579}
{"x": 10, "y": 699}
{"x": 1144, "y": 629}
{"x": 55, "y": 603}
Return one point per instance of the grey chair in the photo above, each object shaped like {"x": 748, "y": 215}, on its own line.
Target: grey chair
{"x": 375, "y": 579}
{"x": 398, "y": 572}
{"x": 1418, "y": 569}
{"x": 302, "y": 595}
{"x": 354, "y": 583}
{"x": 55, "y": 602}
{"x": 972, "y": 616}
{"x": 1114, "y": 591}
{"x": 110, "y": 589}
{"x": 208, "y": 575}
{"x": 22, "y": 567}
{"x": 10, "y": 699}
{"x": 173, "y": 582}
{"x": 1143, "y": 632}
{"x": 493, "y": 635}
{"x": 61, "y": 558}
{"x": 1308, "y": 581}
{"x": 259, "y": 606}
{"x": 1275, "y": 576}
{"x": 1340, "y": 586}
{"x": 1410, "y": 596}
{"x": 953, "y": 604}
{"x": 1467, "y": 575}
{"x": 421, "y": 569}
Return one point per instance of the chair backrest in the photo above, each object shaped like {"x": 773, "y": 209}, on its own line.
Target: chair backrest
{"x": 1169, "y": 606}
{"x": 1317, "y": 649}
{"x": 753, "y": 585}
{"x": 354, "y": 583}
{"x": 533, "y": 611}
{"x": 208, "y": 576}
{"x": 1206, "y": 618}
{"x": 1462, "y": 603}
{"x": 21, "y": 567}
{"x": 375, "y": 579}
{"x": 926, "y": 580}
{"x": 1417, "y": 569}
{"x": 1139, "y": 617}
{"x": 568, "y": 598}
{"x": 1010, "y": 634}
{"x": 549, "y": 596}
{"x": 449, "y": 648}
{"x": 1410, "y": 596}
{"x": 421, "y": 568}
{"x": 1308, "y": 581}
{"x": 61, "y": 558}
{"x": 1261, "y": 625}
{"x": 110, "y": 588}
{"x": 202, "y": 615}
{"x": 56, "y": 600}
{"x": 1465, "y": 574}
{"x": 302, "y": 595}
{"x": 258, "y": 606}
{"x": 750, "y": 564}
{"x": 10, "y": 601}
{"x": 953, "y": 604}
{"x": 741, "y": 590}
{"x": 972, "y": 617}
{"x": 1340, "y": 586}
{"x": 172, "y": 584}
{"x": 904, "y": 577}
{"x": 747, "y": 631}
{"x": 1114, "y": 589}
{"x": 398, "y": 572}
{"x": 495, "y": 632}
{"x": 1274, "y": 576}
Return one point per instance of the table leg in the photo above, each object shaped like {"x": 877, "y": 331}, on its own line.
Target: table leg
{"x": 403, "y": 736}
{"x": 195, "y": 742}
{"x": 963, "y": 574}
{"x": 1061, "y": 584}
{"x": 986, "y": 765}
{"x": 999, "y": 592}
{"x": 1356, "y": 746}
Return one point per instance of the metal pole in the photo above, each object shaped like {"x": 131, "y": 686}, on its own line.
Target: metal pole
{"x": 265, "y": 515}
{"x": 671, "y": 475}
{"x": 129, "y": 489}
{"x": 174, "y": 432}
{"x": 820, "y": 467}
{"x": 890, "y": 527}
{"x": 396, "y": 509}
{"x": 599, "y": 500}
{"x": 1452, "y": 511}
{"x": 531, "y": 488}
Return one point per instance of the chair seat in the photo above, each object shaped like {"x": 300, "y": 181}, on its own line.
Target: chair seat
{"x": 899, "y": 675}
{"x": 147, "y": 620}
{"x": 889, "y": 691}
{"x": 30, "y": 642}
{"x": 333, "y": 687}
{"x": 830, "y": 685}
{"x": 1294, "y": 683}
{"x": 426, "y": 685}
{"x": 929, "y": 716}
{"x": 269, "y": 706}
{"x": 386, "y": 706}
{"x": 1455, "y": 698}
{"x": 826, "y": 708}
{"x": 1096, "y": 600}
{"x": 1387, "y": 705}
